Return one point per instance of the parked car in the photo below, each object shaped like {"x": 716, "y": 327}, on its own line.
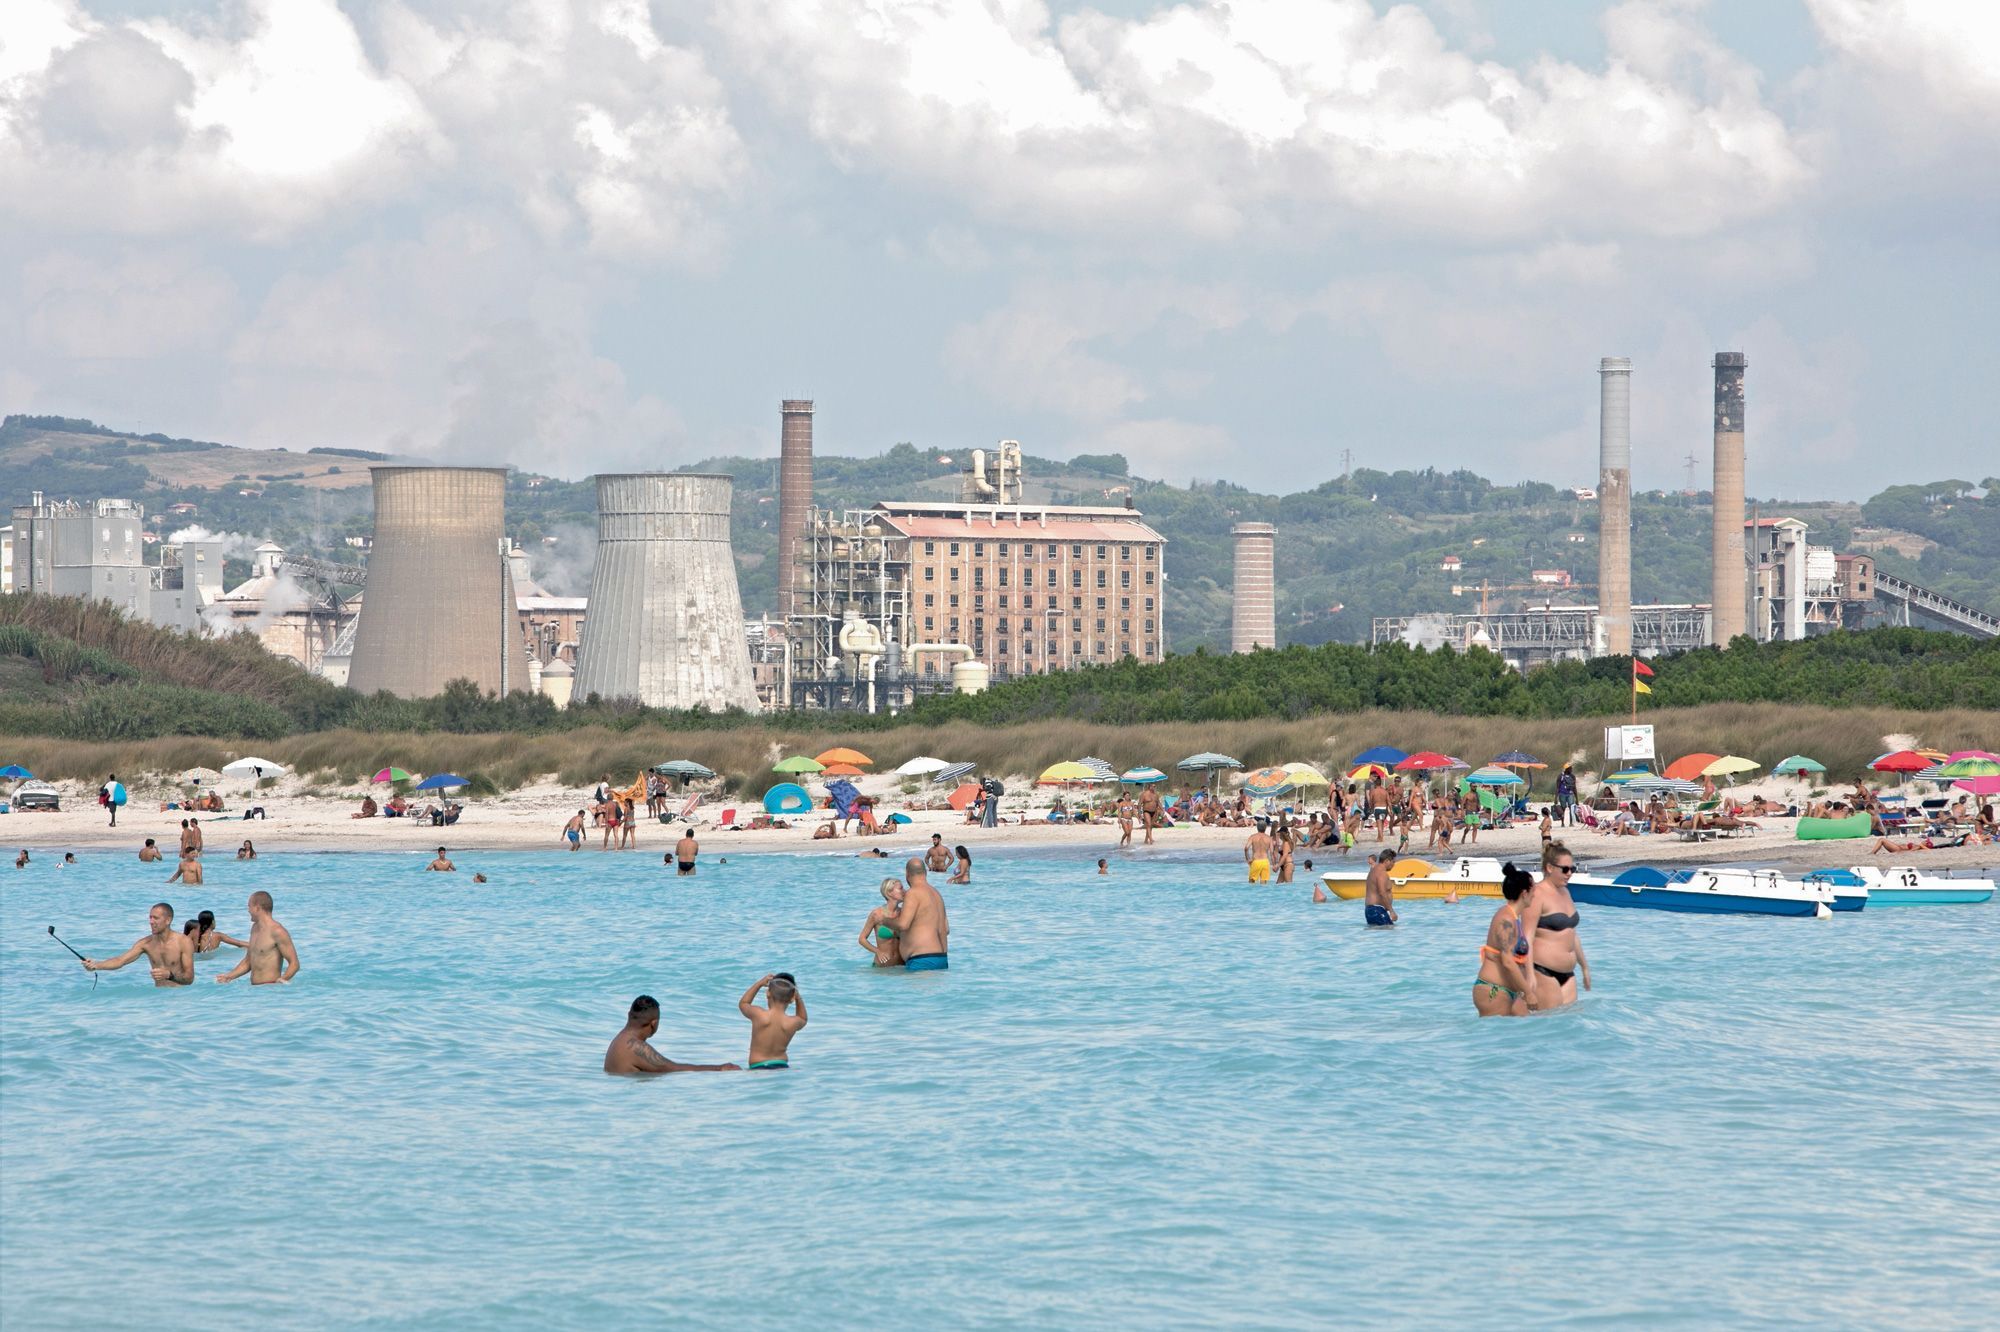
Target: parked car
{"x": 36, "y": 795}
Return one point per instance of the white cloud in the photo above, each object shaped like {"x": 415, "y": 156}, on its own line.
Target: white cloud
{"x": 130, "y": 307}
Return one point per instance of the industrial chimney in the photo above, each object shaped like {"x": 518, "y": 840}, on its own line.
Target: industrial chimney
{"x": 1253, "y": 620}
{"x": 1614, "y": 505}
{"x": 795, "y": 491}
{"x": 666, "y": 618}
{"x": 439, "y": 603}
{"x": 1730, "y": 573}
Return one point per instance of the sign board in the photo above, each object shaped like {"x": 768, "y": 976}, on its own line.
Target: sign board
{"x": 1628, "y": 744}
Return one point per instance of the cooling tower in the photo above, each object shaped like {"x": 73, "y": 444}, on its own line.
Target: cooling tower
{"x": 1253, "y": 618}
{"x": 439, "y": 604}
{"x": 795, "y": 491}
{"x": 1614, "y": 504}
{"x": 666, "y": 619}
{"x": 1730, "y": 574}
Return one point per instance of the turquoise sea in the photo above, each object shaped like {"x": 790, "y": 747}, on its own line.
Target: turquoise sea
{"x": 1154, "y": 1099}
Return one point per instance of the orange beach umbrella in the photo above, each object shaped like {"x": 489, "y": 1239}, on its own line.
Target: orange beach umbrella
{"x": 842, "y": 755}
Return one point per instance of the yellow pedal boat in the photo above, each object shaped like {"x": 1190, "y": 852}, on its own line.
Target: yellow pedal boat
{"x": 1468, "y": 876}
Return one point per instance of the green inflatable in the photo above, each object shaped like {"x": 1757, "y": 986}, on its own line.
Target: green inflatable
{"x": 1833, "y": 830}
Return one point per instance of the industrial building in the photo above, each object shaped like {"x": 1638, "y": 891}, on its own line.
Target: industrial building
{"x": 1536, "y": 635}
{"x": 904, "y": 598}
{"x": 1253, "y": 614}
{"x": 96, "y": 549}
{"x": 295, "y": 606}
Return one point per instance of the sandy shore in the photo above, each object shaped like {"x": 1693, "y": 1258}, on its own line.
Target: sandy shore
{"x": 531, "y": 819}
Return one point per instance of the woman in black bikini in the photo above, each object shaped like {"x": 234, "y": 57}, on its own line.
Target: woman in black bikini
{"x": 1558, "y": 953}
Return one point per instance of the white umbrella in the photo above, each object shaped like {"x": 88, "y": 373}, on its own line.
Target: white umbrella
{"x": 196, "y": 776}
{"x": 257, "y": 768}
{"x": 922, "y": 767}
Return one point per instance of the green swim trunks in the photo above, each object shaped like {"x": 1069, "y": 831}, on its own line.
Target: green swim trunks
{"x": 769, "y": 1063}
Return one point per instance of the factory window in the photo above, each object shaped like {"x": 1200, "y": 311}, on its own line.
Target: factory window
{"x": 954, "y": 550}
{"x": 953, "y": 601}
{"x": 1149, "y": 555}
{"x": 1124, "y": 578}
{"x": 979, "y": 624}
{"x": 1003, "y": 578}
{"x": 1149, "y": 629}
{"x": 1052, "y": 578}
{"x": 1076, "y": 552}
{"x": 1003, "y": 550}
{"x": 979, "y": 578}
{"x": 1027, "y": 626}
{"x": 1100, "y": 577}
{"x": 1125, "y": 648}
{"x": 954, "y": 573}
{"x": 1076, "y": 603}
{"x": 930, "y": 547}
{"x": 1000, "y": 628}
{"x": 930, "y": 623}
{"x": 1149, "y": 647}
{"x": 979, "y": 602}
{"x": 979, "y": 548}
{"x": 930, "y": 599}
{"x": 1003, "y": 601}
{"x": 1100, "y": 603}
{"x": 1124, "y": 552}
{"x": 1052, "y": 550}
{"x": 1027, "y": 601}
{"x": 1076, "y": 649}
{"x": 1149, "y": 603}
{"x": 930, "y": 574}
{"x": 1100, "y": 552}
{"x": 1149, "y": 578}
{"x": 1100, "y": 624}
{"x": 1100, "y": 647}
{"x": 930, "y": 667}
{"x": 1028, "y": 648}
{"x": 1076, "y": 626}
{"x": 954, "y": 626}
{"x": 1124, "y": 603}
{"x": 1125, "y": 627}
{"x": 1076, "y": 578}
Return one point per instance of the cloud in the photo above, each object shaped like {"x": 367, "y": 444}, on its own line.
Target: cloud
{"x": 132, "y": 306}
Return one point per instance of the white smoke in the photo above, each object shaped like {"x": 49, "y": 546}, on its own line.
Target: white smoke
{"x": 563, "y": 568}
{"x": 235, "y": 546}
{"x": 285, "y": 594}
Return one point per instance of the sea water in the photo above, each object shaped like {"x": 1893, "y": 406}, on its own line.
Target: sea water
{"x": 1154, "y": 1098}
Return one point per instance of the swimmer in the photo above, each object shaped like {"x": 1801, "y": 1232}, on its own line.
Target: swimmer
{"x": 573, "y": 831}
{"x": 207, "y": 938}
{"x": 771, "y": 1027}
{"x": 923, "y": 923}
{"x": 21, "y": 861}
{"x": 442, "y": 864}
{"x": 685, "y": 852}
{"x": 937, "y": 858}
{"x": 1379, "y": 909}
{"x": 270, "y": 952}
{"x": 1557, "y": 953}
{"x": 1103, "y": 868}
{"x": 878, "y": 932}
{"x": 631, "y": 1051}
{"x": 69, "y": 858}
{"x": 172, "y": 955}
{"x": 150, "y": 852}
{"x": 1501, "y": 988}
{"x": 962, "y": 868}
{"x": 872, "y": 853}
{"x": 1257, "y": 855}
{"x": 479, "y": 878}
{"x": 246, "y": 851}
{"x": 189, "y": 870}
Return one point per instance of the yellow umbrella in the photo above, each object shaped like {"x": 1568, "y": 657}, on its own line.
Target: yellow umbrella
{"x": 1062, "y": 773}
{"x": 1367, "y": 770}
{"x": 1305, "y": 774}
{"x": 1729, "y": 765}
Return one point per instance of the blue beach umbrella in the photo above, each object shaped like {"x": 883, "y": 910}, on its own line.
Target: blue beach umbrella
{"x": 14, "y": 772}
{"x": 954, "y": 774}
{"x": 440, "y": 782}
{"x": 1494, "y": 777}
{"x": 1627, "y": 775}
{"x": 1386, "y": 755}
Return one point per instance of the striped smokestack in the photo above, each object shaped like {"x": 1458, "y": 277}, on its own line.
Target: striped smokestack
{"x": 1253, "y": 620}
{"x": 1614, "y": 504}
{"x": 1730, "y": 574}
{"x": 795, "y": 491}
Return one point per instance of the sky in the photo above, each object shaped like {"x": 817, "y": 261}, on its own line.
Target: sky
{"x": 1232, "y": 239}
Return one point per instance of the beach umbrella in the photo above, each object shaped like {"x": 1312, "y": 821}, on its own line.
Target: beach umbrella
{"x": 841, "y": 755}
{"x": 921, "y": 767}
{"x": 14, "y": 772}
{"x": 955, "y": 772}
{"x": 1105, "y": 772}
{"x": 1385, "y": 755}
{"x": 1979, "y": 785}
{"x": 1495, "y": 777}
{"x": 1903, "y": 760}
{"x": 1950, "y": 758}
{"x": 966, "y": 793}
{"x": 439, "y": 781}
{"x": 1423, "y": 760}
{"x": 1366, "y": 770}
{"x": 196, "y": 776}
{"x": 1065, "y": 774}
{"x": 1650, "y": 784}
{"x": 1797, "y": 766}
{"x": 1969, "y": 767}
{"x": 787, "y": 798}
{"x": 255, "y": 768}
{"x": 1629, "y": 775}
{"x": 1267, "y": 782}
{"x": 390, "y": 775}
{"x": 1207, "y": 762}
{"x": 684, "y": 768}
{"x": 1514, "y": 758}
{"x": 1728, "y": 766}
{"x": 840, "y": 770}
{"x": 1305, "y": 774}
{"x": 798, "y": 763}
{"x": 1690, "y": 766}
{"x": 1142, "y": 776}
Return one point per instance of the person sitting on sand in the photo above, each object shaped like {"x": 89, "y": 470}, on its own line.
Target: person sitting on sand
{"x": 368, "y": 809}
{"x": 878, "y": 932}
{"x": 442, "y": 864}
{"x": 397, "y": 807}
{"x": 826, "y": 831}
{"x": 772, "y": 1027}
{"x": 631, "y": 1050}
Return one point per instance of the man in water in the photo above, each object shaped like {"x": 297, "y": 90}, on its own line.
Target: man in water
{"x": 190, "y": 838}
{"x": 442, "y": 864}
{"x": 1379, "y": 896}
{"x": 1257, "y": 854}
{"x": 771, "y": 1027}
{"x": 938, "y": 856}
{"x": 573, "y": 831}
{"x": 1103, "y": 868}
{"x": 150, "y": 852}
{"x": 269, "y": 952}
{"x": 685, "y": 852}
{"x": 171, "y": 954}
{"x": 922, "y": 922}
{"x": 189, "y": 870}
{"x": 631, "y": 1052}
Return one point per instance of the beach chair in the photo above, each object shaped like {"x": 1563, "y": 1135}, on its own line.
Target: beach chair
{"x": 685, "y": 813}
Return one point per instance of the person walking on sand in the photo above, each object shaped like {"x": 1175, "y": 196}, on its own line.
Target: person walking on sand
{"x": 108, "y": 793}
{"x": 572, "y": 831}
{"x": 685, "y": 852}
{"x": 772, "y": 1027}
{"x": 1126, "y": 810}
{"x": 923, "y": 923}
{"x": 631, "y": 1050}
{"x": 1149, "y": 811}
{"x": 270, "y": 957}
{"x": 1379, "y": 907}
{"x": 1257, "y": 855}
{"x": 171, "y": 954}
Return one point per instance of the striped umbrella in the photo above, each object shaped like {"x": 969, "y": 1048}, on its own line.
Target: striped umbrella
{"x": 1207, "y": 762}
{"x": 1629, "y": 775}
{"x": 954, "y": 774}
{"x": 1649, "y": 785}
{"x": 1104, "y": 771}
{"x": 1495, "y": 777}
{"x": 1142, "y": 776}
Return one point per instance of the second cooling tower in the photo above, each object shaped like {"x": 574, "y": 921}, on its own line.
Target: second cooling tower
{"x": 666, "y": 618}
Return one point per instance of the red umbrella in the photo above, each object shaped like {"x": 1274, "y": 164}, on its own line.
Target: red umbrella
{"x": 1423, "y": 761}
{"x": 1688, "y": 767}
{"x": 1902, "y": 760}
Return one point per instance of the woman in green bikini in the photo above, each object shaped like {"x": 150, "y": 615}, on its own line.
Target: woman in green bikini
{"x": 1502, "y": 987}
{"x": 878, "y": 933}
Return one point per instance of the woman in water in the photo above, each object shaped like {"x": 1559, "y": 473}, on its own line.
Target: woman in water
{"x": 878, "y": 932}
{"x": 961, "y": 868}
{"x": 1551, "y": 912}
{"x": 1502, "y": 987}
{"x": 246, "y": 851}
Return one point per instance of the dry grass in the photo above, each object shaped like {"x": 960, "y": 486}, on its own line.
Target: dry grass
{"x": 1844, "y": 740}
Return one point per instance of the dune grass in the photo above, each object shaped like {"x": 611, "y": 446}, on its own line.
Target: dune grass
{"x": 1844, "y": 739}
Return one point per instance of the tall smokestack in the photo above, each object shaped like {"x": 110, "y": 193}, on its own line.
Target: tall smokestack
{"x": 1253, "y": 619}
{"x": 1731, "y": 575}
{"x": 1614, "y": 503}
{"x": 439, "y": 603}
{"x": 795, "y": 491}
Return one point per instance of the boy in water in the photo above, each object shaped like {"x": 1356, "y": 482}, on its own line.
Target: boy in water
{"x": 772, "y": 1027}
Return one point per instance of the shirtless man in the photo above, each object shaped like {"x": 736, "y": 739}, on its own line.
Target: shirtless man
{"x": 685, "y": 852}
{"x": 1257, "y": 855}
{"x": 189, "y": 870}
{"x": 269, "y": 952}
{"x": 771, "y": 1027}
{"x": 922, "y": 923}
{"x": 171, "y": 954}
{"x": 1149, "y": 812}
{"x": 573, "y": 831}
{"x": 630, "y": 1051}
{"x": 938, "y": 857}
{"x": 1380, "y": 895}
{"x": 190, "y": 839}
{"x": 608, "y": 811}
{"x": 150, "y": 852}
{"x": 442, "y": 864}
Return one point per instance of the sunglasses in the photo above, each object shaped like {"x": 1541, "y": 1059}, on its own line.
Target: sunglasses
{"x": 1566, "y": 869}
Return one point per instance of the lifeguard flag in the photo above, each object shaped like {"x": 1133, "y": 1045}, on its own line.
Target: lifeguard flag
{"x": 1640, "y": 688}
{"x": 1640, "y": 667}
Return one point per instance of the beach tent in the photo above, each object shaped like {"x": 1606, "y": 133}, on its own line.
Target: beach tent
{"x": 921, "y": 767}
{"x": 1797, "y": 766}
{"x": 1386, "y": 755}
{"x": 256, "y": 769}
{"x": 787, "y": 798}
{"x": 441, "y": 781}
{"x": 1688, "y": 767}
{"x": 842, "y": 755}
{"x": 798, "y": 763}
{"x": 956, "y": 772}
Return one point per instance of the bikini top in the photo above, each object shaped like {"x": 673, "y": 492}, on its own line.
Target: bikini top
{"x": 1557, "y": 920}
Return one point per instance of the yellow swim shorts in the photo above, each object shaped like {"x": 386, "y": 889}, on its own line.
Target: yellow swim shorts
{"x": 1260, "y": 871}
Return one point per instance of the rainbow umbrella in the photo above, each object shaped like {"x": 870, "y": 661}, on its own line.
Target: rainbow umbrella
{"x": 1142, "y": 776}
{"x": 1491, "y": 776}
{"x": 1362, "y": 772}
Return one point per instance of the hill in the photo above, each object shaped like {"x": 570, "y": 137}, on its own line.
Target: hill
{"x": 1368, "y": 544}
